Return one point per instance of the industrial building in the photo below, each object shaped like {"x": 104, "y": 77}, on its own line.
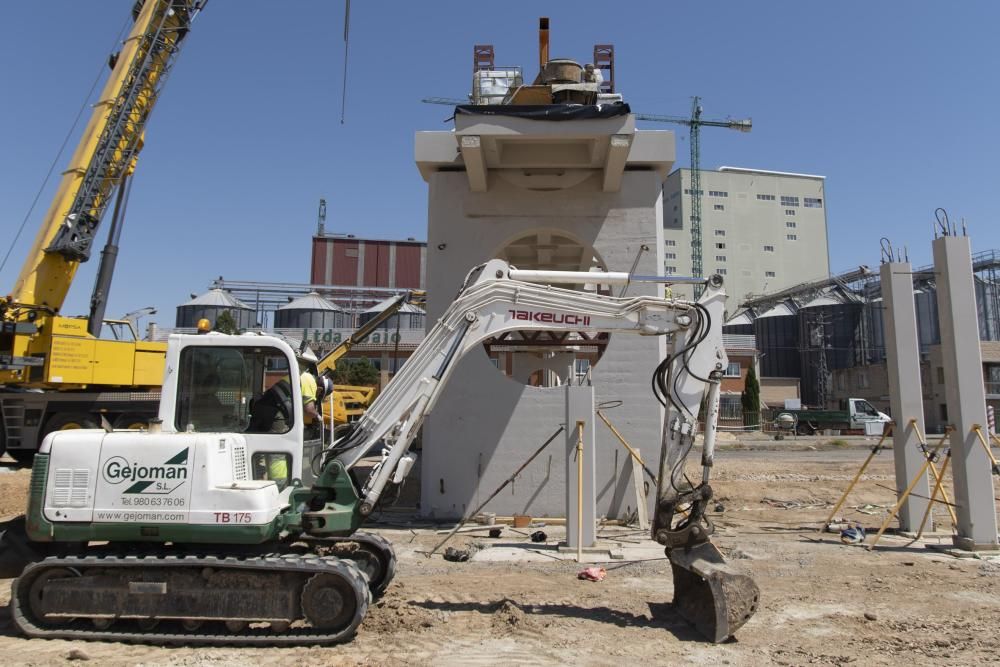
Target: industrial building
{"x": 763, "y": 230}
{"x": 345, "y": 259}
{"x": 829, "y": 336}
{"x": 572, "y": 192}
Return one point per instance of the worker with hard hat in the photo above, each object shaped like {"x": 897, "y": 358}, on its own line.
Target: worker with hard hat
{"x": 277, "y": 468}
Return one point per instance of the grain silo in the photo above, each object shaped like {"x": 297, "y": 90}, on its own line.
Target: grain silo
{"x": 829, "y": 331}
{"x": 408, "y": 317}
{"x": 741, "y": 323}
{"x": 777, "y": 332}
{"x": 311, "y": 311}
{"x": 211, "y": 305}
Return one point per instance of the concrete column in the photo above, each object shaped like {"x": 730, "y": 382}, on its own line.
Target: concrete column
{"x": 905, "y": 389}
{"x": 384, "y": 375}
{"x": 966, "y": 397}
{"x": 580, "y": 407}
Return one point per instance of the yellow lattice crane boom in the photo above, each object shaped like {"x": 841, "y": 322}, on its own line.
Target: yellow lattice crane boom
{"x": 82, "y": 375}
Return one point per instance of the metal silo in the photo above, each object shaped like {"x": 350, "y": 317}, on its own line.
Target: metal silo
{"x": 831, "y": 337}
{"x": 740, "y": 324}
{"x": 777, "y": 333}
{"x": 987, "y": 307}
{"x": 210, "y": 305}
{"x": 311, "y": 312}
{"x": 928, "y": 329}
{"x": 876, "y": 310}
{"x": 408, "y": 317}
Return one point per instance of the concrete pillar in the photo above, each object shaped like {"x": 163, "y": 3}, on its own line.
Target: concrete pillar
{"x": 966, "y": 396}
{"x": 384, "y": 374}
{"x": 580, "y": 408}
{"x": 905, "y": 389}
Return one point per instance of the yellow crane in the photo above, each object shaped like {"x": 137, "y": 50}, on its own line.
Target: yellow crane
{"x": 82, "y": 376}
{"x": 351, "y": 401}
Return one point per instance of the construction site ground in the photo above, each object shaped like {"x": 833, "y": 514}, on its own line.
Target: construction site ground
{"x": 515, "y": 602}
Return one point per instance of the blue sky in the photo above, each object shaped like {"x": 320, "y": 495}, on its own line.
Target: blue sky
{"x": 895, "y": 103}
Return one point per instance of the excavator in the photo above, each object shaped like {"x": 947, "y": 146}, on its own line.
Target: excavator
{"x": 221, "y": 524}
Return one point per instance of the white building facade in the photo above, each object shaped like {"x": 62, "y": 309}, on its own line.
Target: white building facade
{"x": 762, "y": 230}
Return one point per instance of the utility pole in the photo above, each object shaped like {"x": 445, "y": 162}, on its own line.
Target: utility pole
{"x": 694, "y": 124}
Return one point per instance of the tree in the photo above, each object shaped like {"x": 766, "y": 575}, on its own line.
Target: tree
{"x": 226, "y": 323}
{"x": 750, "y": 398}
{"x": 355, "y": 372}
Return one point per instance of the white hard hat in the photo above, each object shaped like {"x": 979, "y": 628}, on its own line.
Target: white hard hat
{"x": 304, "y": 353}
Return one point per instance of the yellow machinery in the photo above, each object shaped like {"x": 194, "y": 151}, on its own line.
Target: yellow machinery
{"x": 351, "y": 401}
{"x": 83, "y": 376}
{"x": 57, "y": 372}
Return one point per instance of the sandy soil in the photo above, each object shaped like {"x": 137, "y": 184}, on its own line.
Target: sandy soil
{"x": 822, "y": 603}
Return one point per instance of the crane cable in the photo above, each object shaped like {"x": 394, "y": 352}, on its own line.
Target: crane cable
{"x": 343, "y": 92}
{"x": 59, "y": 153}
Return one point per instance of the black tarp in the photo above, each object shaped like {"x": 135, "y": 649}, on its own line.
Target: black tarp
{"x": 545, "y": 111}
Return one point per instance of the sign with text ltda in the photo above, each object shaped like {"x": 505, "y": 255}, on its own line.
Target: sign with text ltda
{"x": 328, "y": 338}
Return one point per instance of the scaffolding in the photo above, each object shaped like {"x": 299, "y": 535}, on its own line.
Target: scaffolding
{"x": 266, "y": 297}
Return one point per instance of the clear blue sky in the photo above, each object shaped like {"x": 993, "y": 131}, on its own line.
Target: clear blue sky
{"x": 895, "y": 103}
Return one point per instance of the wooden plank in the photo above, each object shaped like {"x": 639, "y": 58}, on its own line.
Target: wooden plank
{"x": 640, "y": 495}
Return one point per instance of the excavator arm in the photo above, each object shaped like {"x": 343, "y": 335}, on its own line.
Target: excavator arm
{"x": 497, "y": 299}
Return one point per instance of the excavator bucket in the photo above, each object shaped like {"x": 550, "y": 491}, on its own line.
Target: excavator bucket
{"x": 708, "y": 594}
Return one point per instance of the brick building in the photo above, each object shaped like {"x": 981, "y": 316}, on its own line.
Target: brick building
{"x": 344, "y": 259}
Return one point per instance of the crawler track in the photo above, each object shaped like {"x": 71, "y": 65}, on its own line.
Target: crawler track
{"x": 377, "y": 559}
{"x": 204, "y": 600}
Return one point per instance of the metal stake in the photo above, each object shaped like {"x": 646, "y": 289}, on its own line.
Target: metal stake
{"x": 579, "y": 491}
{"x": 937, "y": 487}
{"x": 886, "y": 432}
{"x": 906, "y": 494}
{"x": 986, "y": 445}
{"x": 493, "y": 495}
{"x": 938, "y": 478}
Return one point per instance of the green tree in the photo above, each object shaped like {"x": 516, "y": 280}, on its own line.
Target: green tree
{"x": 750, "y": 398}
{"x": 356, "y": 372}
{"x": 226, "y": 323}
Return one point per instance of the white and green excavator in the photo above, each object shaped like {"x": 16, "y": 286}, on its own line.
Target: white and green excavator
{"x": 221, "y": 524}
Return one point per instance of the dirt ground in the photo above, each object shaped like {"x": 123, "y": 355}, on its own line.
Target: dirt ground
{"x": 822, "y": 602}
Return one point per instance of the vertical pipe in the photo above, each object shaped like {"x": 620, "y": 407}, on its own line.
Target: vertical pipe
{"x": 109, "y": 256}
{"x": 711, "y": 425}
{"x": 543, "y": 43}
{"x": 579, "y": 491}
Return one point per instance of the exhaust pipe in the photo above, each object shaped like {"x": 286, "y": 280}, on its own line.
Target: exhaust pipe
{"x": 543, "y": 43}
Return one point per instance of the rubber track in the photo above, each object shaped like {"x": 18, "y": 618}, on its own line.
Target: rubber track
{"x": 309, "y": 565}
{"x": 377, "y": 541}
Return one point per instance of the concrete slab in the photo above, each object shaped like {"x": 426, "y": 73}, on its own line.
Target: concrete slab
{"x": 629, "y": 547}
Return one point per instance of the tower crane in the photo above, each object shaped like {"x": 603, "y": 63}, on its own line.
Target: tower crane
{"x": 694, "y": 124}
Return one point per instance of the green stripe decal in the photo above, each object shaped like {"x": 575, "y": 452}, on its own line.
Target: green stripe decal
{"x": 138, "y": 487}
{"x": 179, "y": 460}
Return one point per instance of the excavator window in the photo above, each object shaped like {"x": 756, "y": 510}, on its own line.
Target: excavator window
{"x": 233, "y": 389}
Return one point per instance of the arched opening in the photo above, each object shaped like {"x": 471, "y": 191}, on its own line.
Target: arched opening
{"x": 549, "y": 359}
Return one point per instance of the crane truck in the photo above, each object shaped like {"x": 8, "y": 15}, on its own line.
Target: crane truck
{"x": 56, "y": 372}
{"x": 190, "y": 532}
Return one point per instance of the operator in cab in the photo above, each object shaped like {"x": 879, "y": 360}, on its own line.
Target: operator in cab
{"x": 273, "y": 413}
